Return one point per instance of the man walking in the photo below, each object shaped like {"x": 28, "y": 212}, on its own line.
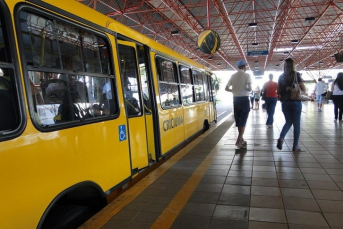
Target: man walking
{"x": 320, "y": 90}
{"x": 270, "y": 96}
{"x": 240, "y": 86}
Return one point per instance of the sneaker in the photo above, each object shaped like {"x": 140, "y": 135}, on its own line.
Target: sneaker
{"x": 296, "y": 149}
{"x": 279, "y": 143}
{"x": 318, "y": 109}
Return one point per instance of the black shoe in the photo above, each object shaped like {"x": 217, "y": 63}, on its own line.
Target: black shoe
{"x": 279, "y": 144}
{"x": 296, "y": 149}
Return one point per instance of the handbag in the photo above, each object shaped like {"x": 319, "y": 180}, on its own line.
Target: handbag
{"x": 328, "y": 95}
{"x": 296, "y": 92}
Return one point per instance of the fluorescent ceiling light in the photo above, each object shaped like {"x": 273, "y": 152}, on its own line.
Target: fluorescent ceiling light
{"x": 175, "y": 32}
{"x": 297, "y": 48}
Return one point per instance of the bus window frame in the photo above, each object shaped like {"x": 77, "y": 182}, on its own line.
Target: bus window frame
{"x": 176, "y": 76}
{"x": 200, "y": 72}
{"x": 183, "y": 84}
{"x": 13, "y": 64}
{"x": 25, "y": 67}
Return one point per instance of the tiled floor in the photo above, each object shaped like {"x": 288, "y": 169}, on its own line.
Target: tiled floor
{"x": 214, "y": 186}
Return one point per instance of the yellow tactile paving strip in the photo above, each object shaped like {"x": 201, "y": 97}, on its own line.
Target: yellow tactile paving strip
{"x": 170, "y": 213}
{"x": 168, "y": 216}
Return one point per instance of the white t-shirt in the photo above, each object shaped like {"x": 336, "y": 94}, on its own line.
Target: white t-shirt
{"x": 320, "y": 87}
{"x": 239, "y": 82}
{"x": 336, "y": 90}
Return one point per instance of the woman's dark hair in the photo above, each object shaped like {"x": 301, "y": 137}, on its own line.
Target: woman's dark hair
{"x": 289, "y": 70}
{"x": 339, "y": 81}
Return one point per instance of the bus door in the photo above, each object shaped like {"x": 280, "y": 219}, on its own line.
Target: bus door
{"x": 131, "y": 84}
{"x": 212, "y": 81}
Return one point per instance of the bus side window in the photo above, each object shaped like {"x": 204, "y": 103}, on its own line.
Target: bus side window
{"x": 7, "y": 106}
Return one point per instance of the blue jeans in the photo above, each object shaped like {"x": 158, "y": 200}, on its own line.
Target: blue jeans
{"x": 292, "y": 113}
{"x": 270, "y": 105}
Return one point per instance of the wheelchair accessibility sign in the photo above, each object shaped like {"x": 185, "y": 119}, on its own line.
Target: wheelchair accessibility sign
{"x": 122, "y": 133}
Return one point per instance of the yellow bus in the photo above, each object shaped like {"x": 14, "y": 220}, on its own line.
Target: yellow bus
{"x": 86, "y": 103}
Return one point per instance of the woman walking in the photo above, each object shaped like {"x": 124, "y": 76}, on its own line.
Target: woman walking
{"x": 290, "y": 108}
{"x": 337, "y": 96}
{"x": 270, "y": 97}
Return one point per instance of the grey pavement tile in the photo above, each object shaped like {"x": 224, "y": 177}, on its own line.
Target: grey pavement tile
{"x": 138, "y": 224}
{"x": 147, "y": 217}
{"x": 221, "y": 223}
{"x": 216, "y": 172}
{"x": 153, "y": 207}
{"x": 305, "y": 218}
{"x": 264, "y": 168}
{"x": 219, "y": 167}
{"x": 266, "y": 225}
{"x": 240, "y": 173}
{"x": 317, "y": 177}
{"x": 340, "y": 185}
{"x": 301, "y": 204}
{"x": 327, "y": 195}
{"x": 263, "y": 159}
{"x": 334, "y": 171}
{"x": 266, "y": 202}
{"x": 313, "y": 171}
{"x": 125, "y": 215}
{"x": 268, "y": 182}
{"x": 268, "y": 215}
{"x": 120, "y": 224}
{"x": 322, "y": 185}
{"x": 190, "y": 221}
{"x": 221, "y": 162}
{"x": 265, "y": 191}
{"x": 288, "y": 170}
{"x": 264, "y": 174}
{"x": 143, "y": 199}
{"x": 234, "y": 199}
{"x": 331, "y": 166}
{"x": 204, "y": 197}
{"x": 151, "y": 192}
{"x": 290, "y": 176}
{"x": 198, "y": 209}
{"x": 337, "y": 178}
{"x": 286, "y": 164}
{"x": 162, "y": 199}
{"x": 238, "y": 180}
{"x": 331, "y": 206}
{"x": 135, "y": 206}
{"x": 241, "y": 168}
{"x": 295, "y": 226}
{"x": 308, "y": 165}
{"x": 213, "y": 179}
{"x": 236, "y": 189}
{"x": 334, "y": 219}
{"x": 231, "y": 212}
{"x": 296, "y": 193}
{"x": 264, "y": 163}
{"x": 202, "y": 187}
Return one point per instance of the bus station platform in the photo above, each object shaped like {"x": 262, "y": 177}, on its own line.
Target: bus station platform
{"x": 209, "y": 184}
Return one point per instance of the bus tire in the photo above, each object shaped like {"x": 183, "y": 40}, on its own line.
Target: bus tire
{"x": 206, "y": 126}
{"x": 67, "y": 216}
